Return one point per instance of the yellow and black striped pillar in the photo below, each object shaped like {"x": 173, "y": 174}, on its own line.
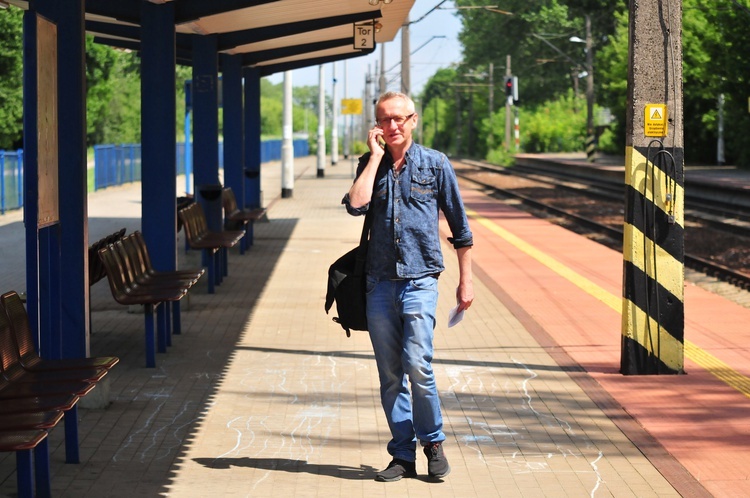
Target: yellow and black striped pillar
{"x": 590, "y": 147}
{"x": 654, "y": 270}
{"x": 653, "y": 307}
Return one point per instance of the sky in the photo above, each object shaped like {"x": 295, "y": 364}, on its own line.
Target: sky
{"x": 428, "y": 54}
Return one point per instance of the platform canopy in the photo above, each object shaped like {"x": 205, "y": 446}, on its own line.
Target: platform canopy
{"x": 271, "y": 35}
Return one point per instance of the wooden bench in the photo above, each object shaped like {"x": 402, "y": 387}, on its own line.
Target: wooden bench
{"x": 235, "y": 218}
{"x": 134, "y": 251}
{"x": 96, "y": 269}
{"x": 35, "y": 394}
{"x": 131, "y": 283}
{"x": 213, "y": 244}
{"x": 30, "y": 360}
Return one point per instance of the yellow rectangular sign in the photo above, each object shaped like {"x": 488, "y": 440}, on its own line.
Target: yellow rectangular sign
{"x": 655, "y": 122}
{"x": 351, "y": 106}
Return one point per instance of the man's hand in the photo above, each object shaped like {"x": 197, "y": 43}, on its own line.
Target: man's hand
{"x": 464, "y": 296}
{"x": 376, "y": 149}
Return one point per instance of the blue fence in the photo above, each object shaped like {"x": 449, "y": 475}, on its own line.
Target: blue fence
{"x": 11, "y": 181}
{"x": 118, "y": 164}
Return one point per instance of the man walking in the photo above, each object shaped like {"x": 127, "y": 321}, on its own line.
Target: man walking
{"x": 406, "y": 186}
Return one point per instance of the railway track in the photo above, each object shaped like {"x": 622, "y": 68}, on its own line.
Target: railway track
{"x": 580, "y": 190}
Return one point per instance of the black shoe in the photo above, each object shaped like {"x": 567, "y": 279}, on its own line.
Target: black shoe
{"x": 437, "y": 464}
{"x": 396, "y": 470}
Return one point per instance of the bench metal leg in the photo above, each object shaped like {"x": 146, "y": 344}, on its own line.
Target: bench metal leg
{"x": 168, "y": 322}
{"x": 211, "y": 270}
{"x": 176, "y": 319}
{"x": 24, "y": 474}
{"x": 225, "y": 261}
{"x": 249, "y": 234}
{"x": 243, "y": 242}
{"x": 161, "y": 329}
{"x": 71, "y": 435}
{"x": 42, "y": 470}
{"x": 219, "y": 261}
{"x": 150, "y": 347}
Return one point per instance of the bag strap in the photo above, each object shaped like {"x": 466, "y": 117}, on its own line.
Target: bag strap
{"x": 359, "y": 268}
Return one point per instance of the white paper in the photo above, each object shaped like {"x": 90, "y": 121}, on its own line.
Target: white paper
{"x": 454, "y": 317}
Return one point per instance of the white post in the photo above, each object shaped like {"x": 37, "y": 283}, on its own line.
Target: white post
{"x": 287, "y": 147}
{"x": 405, "y": 58}
{"x": 321, "y": 122}
{"x": 335, "y": 124}
{"x": 346, "y": 130}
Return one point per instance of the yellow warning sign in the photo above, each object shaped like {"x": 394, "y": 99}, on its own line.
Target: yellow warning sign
{"x": 351, "y": 106}
{"x": 655, "y": 123}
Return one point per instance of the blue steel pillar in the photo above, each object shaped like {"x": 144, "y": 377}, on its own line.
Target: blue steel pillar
{"x": 158, "y": 161}
{"x": 42, "y": 231}
{"x": 158, "y": 118}
{"x": 43, "y": 105}
{"x": 206, "y": 128}
{"x": 234, "y": 148}
{"x": 253, "y": 190}
{"x": 72, "y": 181}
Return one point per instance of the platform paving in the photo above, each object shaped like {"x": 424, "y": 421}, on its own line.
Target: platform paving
{"x": 263, "y": 395}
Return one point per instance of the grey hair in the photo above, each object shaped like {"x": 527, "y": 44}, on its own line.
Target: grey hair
{"x": 397, "y": 95}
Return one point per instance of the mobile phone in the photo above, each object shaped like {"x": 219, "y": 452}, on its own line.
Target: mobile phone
{"x": 381, "y": 141}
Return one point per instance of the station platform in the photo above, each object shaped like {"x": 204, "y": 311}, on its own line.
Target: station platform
{"x": 263, "y": 395}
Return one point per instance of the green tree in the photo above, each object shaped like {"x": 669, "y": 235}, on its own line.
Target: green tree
{"x": 536, "y": 36}
{"x": 11, "y": 81}
{"x": 722, "y": 29}
{"x": 112, "y": 95}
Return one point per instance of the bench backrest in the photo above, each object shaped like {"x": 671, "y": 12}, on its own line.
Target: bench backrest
{"x": 115, "y": 271}
{"x": 194, "y": 221}
{"x": 10, "y": 361}
{"x": 228, "y": 201}
{"x": 96, "y": 270}
{"x": 16, "y": 313}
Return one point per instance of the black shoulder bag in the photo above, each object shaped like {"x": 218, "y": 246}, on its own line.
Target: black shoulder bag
{"x": 346, "y": 284}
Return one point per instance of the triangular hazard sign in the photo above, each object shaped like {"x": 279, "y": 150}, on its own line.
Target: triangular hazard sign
{"x": 656, "y": 115}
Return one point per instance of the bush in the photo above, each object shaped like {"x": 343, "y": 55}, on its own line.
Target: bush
{"x": 501, "y": 157}
{"x": 555, "y": 126}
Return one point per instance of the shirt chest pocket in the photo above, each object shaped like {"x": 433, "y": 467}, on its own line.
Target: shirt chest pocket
{"x": 380, "y": 190}
{"x": 423, "y": 187}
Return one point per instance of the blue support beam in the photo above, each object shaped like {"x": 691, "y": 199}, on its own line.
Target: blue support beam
{"x": 206, "y": 129}
{"x": 31, "y": 168}
{"x": 234, "y": 129}
{"x": 42, "y": 230}
{"x": 234, "y": 147}
{"x": 158, "y": 107}
{"x": 252, "y": 141}
{"x": 74, "y": 339}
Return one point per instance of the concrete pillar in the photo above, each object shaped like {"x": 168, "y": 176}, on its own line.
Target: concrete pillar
{"x": 321, "y": 170}
{"x": 653, "y": 317}
{"x": 287, "y": 147}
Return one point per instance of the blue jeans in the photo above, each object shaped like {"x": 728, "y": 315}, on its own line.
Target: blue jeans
{"x": 401, "y": 319}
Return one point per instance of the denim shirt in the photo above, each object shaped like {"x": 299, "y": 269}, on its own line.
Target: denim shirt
{"x": 404, "y": 239}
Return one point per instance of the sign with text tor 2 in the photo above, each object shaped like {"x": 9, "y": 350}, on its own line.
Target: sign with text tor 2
{"x": 364, "y": 36}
